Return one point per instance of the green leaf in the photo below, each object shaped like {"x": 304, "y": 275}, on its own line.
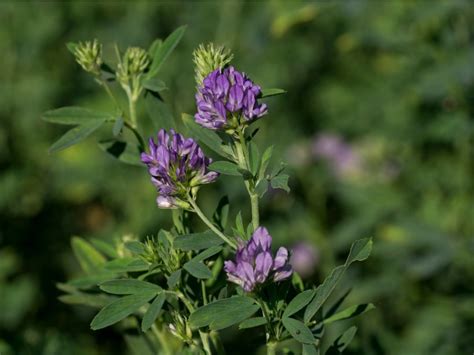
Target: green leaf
{"x": 272, "y": 92}
{"x": 261, "y": 188}
{"x": 323, "y": 292}
{"x": 89, "y": 258}
{"x": 341, "y": 343}
{"x": 299, "y": 302}
{"x": 198, "y": 269}
{"x": 120, "y": 309}
{"x": 350, "y": 312}
{"x": 253, "y": 322}
{"x": 174, "y": 278}
{"x": 135, "y": 247}
{"x": 73, "y": 115}
{"x": 154, "y": 47}
{"x": 309, "y": 349}
{"x": 123, "y": 151}
{"x": 197, "y": 241}
{"x": 118, "y": 126}
{"x": 360, "y": 250}
{"x": 280, "y": 182}
{"x": 129, "y": 287}
{"x": 298, "y": 330}
{"x": 221, "y": 214}
{"x": 76, "y": 135}
{"x": 225, "y": 167}
{"x": 267, "y": 155}
{"x": 206, "y": 136}
{"x": 223, "y": 313}
{"x": 254, "y": 156}
{"x": 71, "y": 46}
{"x": 162, "y": 52}
{"x": 153, "y": 311}
{"x": 154, "y": 84}
{"x": 159, "y": 112}
{"x": 127, "y": 265}
{"x": 91, "y": 280}
{"x": 207, "y": 253}
{"x": 105, "y": 247}
{"x": 240, "y": 224}
{"x": 87, "y": 299}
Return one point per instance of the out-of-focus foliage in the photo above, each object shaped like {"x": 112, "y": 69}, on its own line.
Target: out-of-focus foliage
{"x": 394, "y": 81}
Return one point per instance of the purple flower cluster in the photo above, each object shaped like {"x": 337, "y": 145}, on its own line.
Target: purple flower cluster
{"x": 254, "y": 263}
{"x": 227, "y": 94}
{"x": 176, "y": 165}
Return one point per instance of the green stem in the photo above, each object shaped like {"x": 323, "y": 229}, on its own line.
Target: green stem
{"x": 216, "y": 341}
{"x": 205, "y": 342}
{"x": 210, "y": 224}
{"x": 137, "y": 135}
{"x": 244, "y": 163}
{"x": 162, "y": 338}
{"x": 271, "y": 348}
{"x": 203, "y": 290}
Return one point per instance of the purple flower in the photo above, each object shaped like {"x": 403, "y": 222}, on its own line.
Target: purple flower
{"x": 226, "y": 97}
{"x": 342, "y": 158}
{"x": 254, "y": 263}
{"x": 304, "y": 258}
{"x": 177, "y": 166}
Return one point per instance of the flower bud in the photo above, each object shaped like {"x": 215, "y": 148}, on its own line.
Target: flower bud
{"x": 89, "y": 56}
{"x": 135, "y": 61}
{"x": 208, "y": 58}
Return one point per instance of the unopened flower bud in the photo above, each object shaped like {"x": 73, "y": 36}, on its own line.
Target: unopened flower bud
{"x": 89, "y": 56}
{"x": 135, "y": 61}
{"x": 208, "y": 58}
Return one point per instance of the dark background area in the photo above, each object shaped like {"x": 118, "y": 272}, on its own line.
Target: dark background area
{"x": 390, "y": 82}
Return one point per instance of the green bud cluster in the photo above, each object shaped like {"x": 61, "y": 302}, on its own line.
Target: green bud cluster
{"x": 208, "y": 58}
{"x": 135, "y": 62}
{"x": 89, "y": 56}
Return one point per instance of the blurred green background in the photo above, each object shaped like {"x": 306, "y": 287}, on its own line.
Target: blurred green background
{"x": 391, "y": 84}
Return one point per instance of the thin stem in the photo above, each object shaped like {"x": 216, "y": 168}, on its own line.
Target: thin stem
{"x": 216, "y": 341}
{"x": 203, "y": 291}
{"x": 210, "y": 224}
{"x": 205, "y": 342}
{"x": 137, "y": 134}
{"x": 244, "y": 163}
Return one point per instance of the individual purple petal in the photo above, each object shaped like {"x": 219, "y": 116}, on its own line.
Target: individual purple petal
{"x": 283, "y": 273}
{"x": 281, "y": 258}
{"x": 263, "y": 264}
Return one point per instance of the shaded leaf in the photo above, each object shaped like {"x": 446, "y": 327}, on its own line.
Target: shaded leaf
{"x": 89, "y": 258}
{"x": 154, "y": 84}
{"x": 221, "y": 214}
{"x": 128, "y": 287}
{"x": 162, "y": 52}
{"x": 125, "y": 152}
{"x": 253, "y": 322}
{"x": 158, "y": 111}
{"x": 223, "y": 313}
{"x": 341, "y": 343}
{"x": 127, "y": 265}
{"x": 153, "y": 311}
{"x": 298, "y": 330}
{"x": 120, "y": 309}
{"x": 198, "y": 269}
{"x": 225, "y": 167}
{"x": 350, "y": 312}
{"x": 299, "y": 302}
{"x": 174, "y": 278}
{"x": 280, "y": 182}
{"x": 76, "y": 135}
{"x": 73, "y": 115}
{"x": 272, "y": 92}
{"x": 197, "y": 241}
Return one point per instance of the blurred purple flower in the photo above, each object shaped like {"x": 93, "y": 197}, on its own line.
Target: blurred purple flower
{"x": 254, "y": 263}
{"x": 304, "y": 259}
{"x": 227, "y": 94}
{"x": 340, "y": 155}
{"x": 176, "y": 165}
